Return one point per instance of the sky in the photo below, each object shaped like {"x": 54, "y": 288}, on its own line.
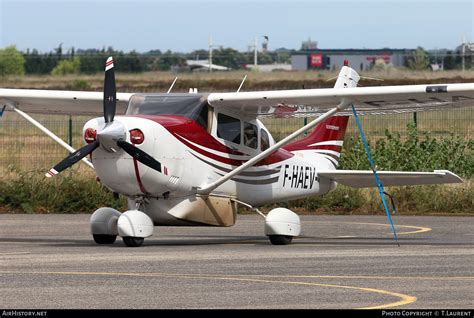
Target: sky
{"x": 185, "y": 25}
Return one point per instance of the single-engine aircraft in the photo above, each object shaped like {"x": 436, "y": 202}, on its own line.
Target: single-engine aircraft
{"x": 190, "y": 159}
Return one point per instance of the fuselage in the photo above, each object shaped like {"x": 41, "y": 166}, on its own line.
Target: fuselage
{"x": 195, "y": 151}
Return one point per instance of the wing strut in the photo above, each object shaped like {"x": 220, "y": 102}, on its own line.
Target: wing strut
{"x": 377, "y": 180}
{"x": 210, "y": 187}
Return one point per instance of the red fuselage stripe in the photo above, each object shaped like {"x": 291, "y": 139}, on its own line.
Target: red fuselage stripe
{"x": 137, "y": 175}
{"x": 184, "y": 129}
{"x": 229, "y": 161}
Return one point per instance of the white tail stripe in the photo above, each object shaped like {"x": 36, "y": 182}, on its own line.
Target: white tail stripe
{"x": 331, "y": 152}
{"x": 328, "y": 143}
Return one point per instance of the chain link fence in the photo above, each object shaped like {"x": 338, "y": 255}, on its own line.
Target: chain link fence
{"x": 25, "y": 147}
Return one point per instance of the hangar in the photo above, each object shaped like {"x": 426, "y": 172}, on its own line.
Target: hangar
{"x": 359, "y": 59}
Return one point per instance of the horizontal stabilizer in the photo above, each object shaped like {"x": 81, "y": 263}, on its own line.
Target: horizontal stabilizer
{"x": 365, "y": 178}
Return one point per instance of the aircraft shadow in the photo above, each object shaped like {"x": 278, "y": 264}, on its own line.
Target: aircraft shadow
{"x": 201, "y": 240}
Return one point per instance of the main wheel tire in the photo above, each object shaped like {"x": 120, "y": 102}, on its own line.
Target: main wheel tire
{"x": 131, "y": 241}
{"x": 104, "y": 238}
{"x": 280, "y": 239}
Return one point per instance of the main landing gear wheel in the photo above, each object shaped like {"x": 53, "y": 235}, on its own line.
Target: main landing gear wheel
{"x": 104, "y": 238}
{"x": 131, "y": 241}
{"x": 281, "y": 225}
{"x": 280, "y": 239}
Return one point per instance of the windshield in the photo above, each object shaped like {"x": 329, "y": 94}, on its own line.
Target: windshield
{"x": 188, "y": 105}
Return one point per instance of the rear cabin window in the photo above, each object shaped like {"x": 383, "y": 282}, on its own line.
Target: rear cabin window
{"x": 250, "y": 135}
{"x": 228, "y": 128}
{"x": 264, "y": 140}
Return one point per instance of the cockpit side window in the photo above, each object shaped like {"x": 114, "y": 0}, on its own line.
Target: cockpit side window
{"x": 202, "y": 118}
{"x": 228, "y": 128}
{"x": 250, "y": 135}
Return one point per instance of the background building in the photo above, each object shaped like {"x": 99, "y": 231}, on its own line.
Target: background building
{"x": 359, "y": 59}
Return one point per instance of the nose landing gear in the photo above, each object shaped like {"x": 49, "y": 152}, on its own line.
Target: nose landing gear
{"x": 133, "y": 226}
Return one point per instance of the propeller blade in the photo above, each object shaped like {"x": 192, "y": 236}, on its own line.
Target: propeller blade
{"x": 110, "y": 96}
{"x": 72, "y": 159}
{"x": 139, "y": 155}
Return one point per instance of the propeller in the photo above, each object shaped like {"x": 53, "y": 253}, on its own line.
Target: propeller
{"x": 112, "y": 134}
{"x": 110, "y": 95}
{"x": 139, "y": 155}
{"x": 72, "y": 159}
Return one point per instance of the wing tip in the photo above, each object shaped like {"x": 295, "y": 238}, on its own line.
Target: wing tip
{"x": 451, "y": 176}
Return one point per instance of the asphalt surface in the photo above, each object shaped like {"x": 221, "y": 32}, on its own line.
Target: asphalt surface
{"x": 50, "y": 261}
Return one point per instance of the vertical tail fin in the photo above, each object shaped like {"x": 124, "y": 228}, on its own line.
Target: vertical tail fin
{"x": 328, "y": 137}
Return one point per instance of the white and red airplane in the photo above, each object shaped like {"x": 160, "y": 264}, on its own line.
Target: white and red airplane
{"x": 190, "y": 159}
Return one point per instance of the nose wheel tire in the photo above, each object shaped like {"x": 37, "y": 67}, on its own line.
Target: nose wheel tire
{"x": 104, "y": 238}
{"x": 131, "y": 241}
{"x": 280, "y": 239}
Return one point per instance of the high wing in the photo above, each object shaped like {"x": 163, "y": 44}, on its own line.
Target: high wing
{"x": 59, "y": 102}
{"x": 327, "y": 102}
{"x": 365, "y": 178}
{"x": 368, "y": 100}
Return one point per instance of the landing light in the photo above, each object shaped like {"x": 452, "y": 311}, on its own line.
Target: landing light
{"x": 136, "y": 136}
{"x": 90, "y": 135}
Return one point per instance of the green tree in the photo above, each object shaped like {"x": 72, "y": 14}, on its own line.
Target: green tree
{"x": 128, "y": 62}
{"x": 64, "y": 67}
{"x": 265, "y": 58}
{"x": 449, "y": 61}
{"x": 169, "y": 59}
{"x": 92, "y": 60}
{"x": 419, "y": 60}
{"x": 36, "y": 63}
{"x": 229, "y": 57}
{"x": 12, "y": 61}
{"x": 282, "y": 55}
{"x": 198, "y": 55}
